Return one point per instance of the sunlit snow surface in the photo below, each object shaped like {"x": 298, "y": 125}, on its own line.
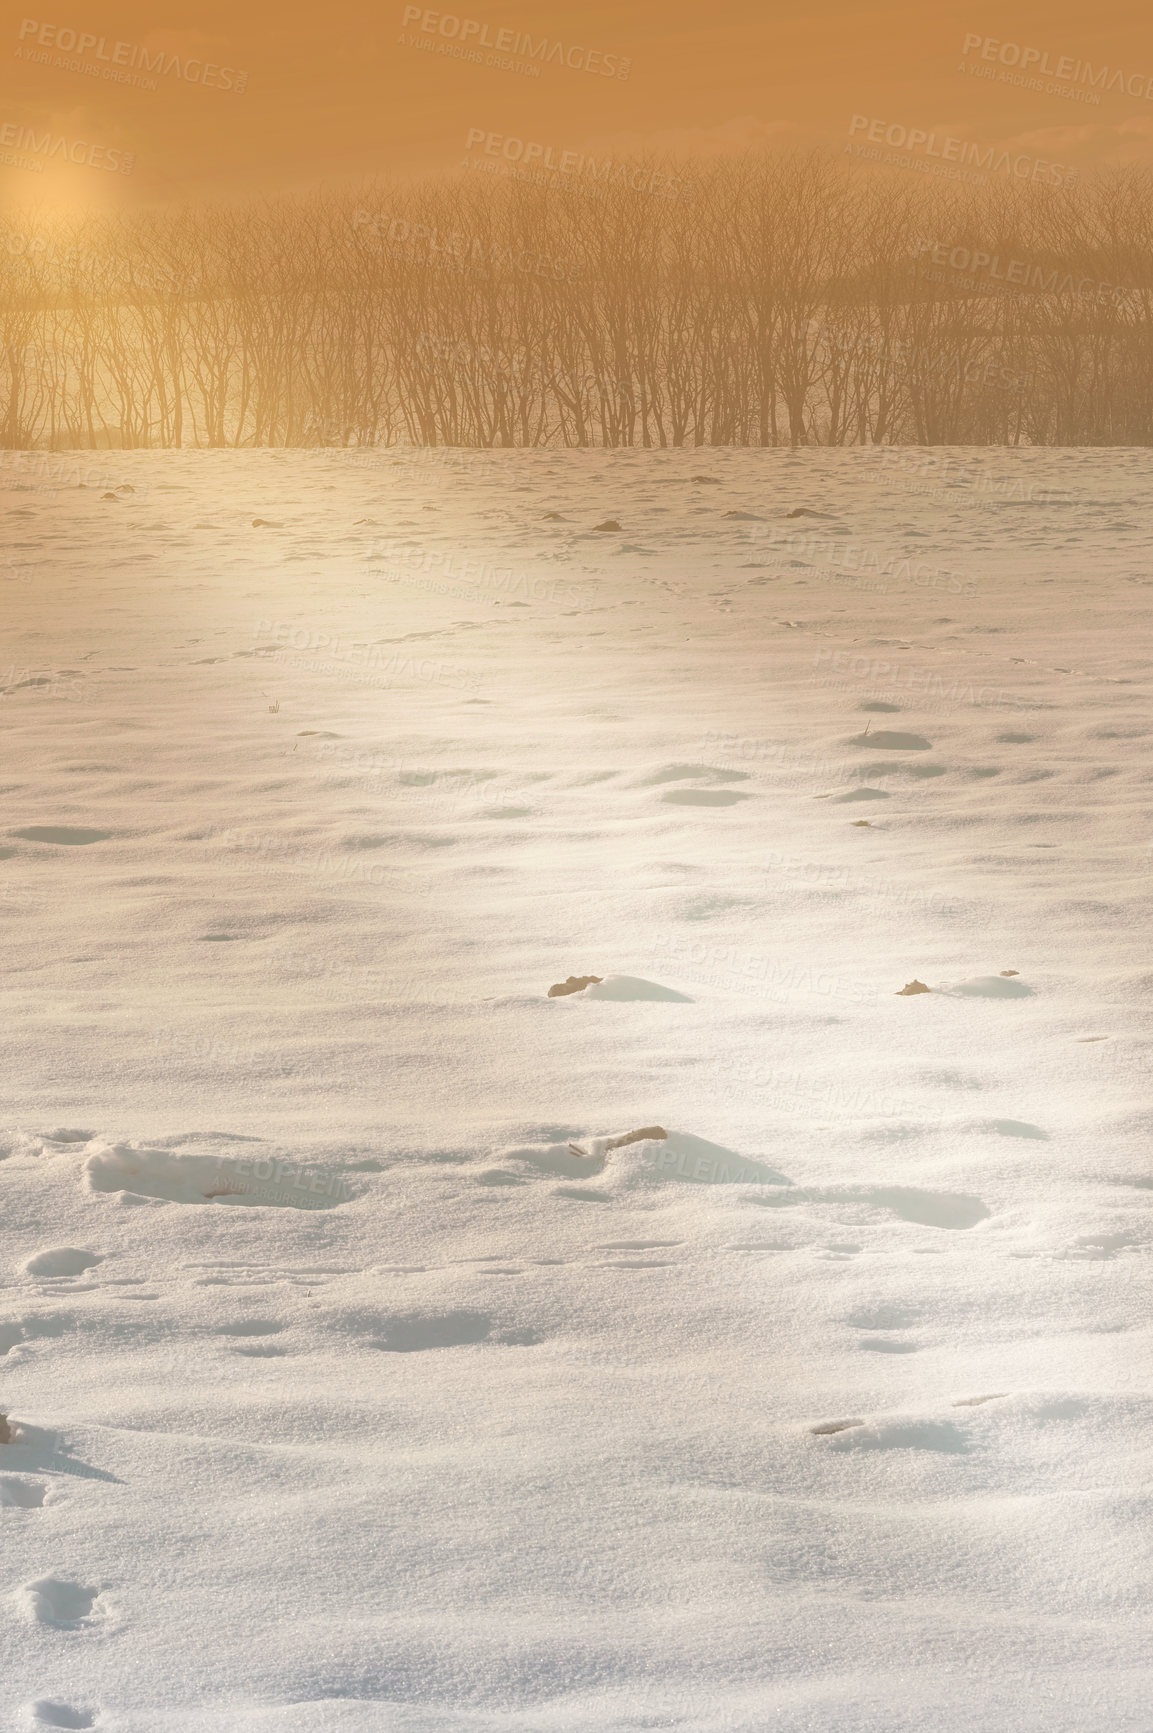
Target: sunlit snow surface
{"x": 344, "y": 1395}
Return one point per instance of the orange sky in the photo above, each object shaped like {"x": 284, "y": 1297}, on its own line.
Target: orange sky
{"x": 339, "y": 90}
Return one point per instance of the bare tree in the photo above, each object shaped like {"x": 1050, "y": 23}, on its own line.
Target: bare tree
{"x": 792, "y": 300}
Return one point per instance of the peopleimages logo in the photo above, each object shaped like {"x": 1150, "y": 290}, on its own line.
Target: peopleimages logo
{"x": 858, "y": 562}
{"x": 545, "y": 160}
{"x": 429, "y": 246}
{"x": 126, "y": 58}
{"x": 1067, "y": 70}
{"x": 1023, "y": 274}
{"x": 965, "y": 152}
{"x": 46, "y": 263}
{"x": 74, "y": 150}
{"x": 517, "y": 43}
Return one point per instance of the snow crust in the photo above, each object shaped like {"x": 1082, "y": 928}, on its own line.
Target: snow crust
{"x": 343, "y": 1394}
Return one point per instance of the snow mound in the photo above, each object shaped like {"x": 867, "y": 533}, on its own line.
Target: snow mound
{"x": 548, "y": 1158}
{"x": 62, "y": 1261}
{"x": 685, "y": 1157}
{"x": 202, "y": 1179}
{"x": 622, "y": 987}
{"x": 680, "y": 1156}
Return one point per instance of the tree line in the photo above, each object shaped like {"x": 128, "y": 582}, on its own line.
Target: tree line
{"x": 792, "y": 299}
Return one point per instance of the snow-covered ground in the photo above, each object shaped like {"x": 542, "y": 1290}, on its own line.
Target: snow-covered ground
{"x": 370, "y": 1406}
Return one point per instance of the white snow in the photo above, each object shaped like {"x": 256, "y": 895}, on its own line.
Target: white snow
{"x": 342, "y": 1394}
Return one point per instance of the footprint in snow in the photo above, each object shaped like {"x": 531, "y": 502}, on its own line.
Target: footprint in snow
{"x": 51, "y": 1601}
{"x": 951, "y": 1210}
{"x": 64, "y": 836}
{"x": 703, "y": 796}
{"x": 46, "y": 1713}
{"x": 990, "y": 987}
{"x": 889, "y": 741}
{"x": 17, "y": 1494}
{"x": 695, "y": 772}
{"x": 954, "y": 1211}
{"x": 640, "y": 1264}
{"x": 413, "y": 1333}
{"x": 637, "y": 1245}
